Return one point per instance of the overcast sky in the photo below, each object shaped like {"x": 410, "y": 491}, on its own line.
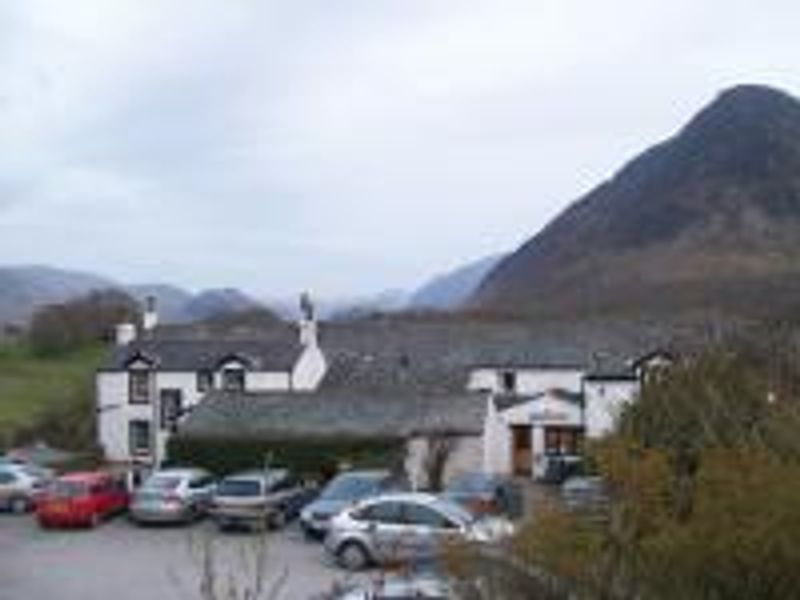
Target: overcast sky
{"x": 340, "y": 146}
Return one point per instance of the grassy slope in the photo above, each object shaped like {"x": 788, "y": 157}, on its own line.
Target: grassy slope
{"x": 32, "y": 388}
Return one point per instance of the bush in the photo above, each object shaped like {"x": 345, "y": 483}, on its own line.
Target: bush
{"x": 317, "y": 458}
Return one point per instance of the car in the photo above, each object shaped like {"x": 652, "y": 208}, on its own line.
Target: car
{"x": 173, "y": 495}
{"x": 405, "y": 528}
{"x": 21, "y": 486}
{"x": 484, "y": 493}
{"x": 258, "y": 499}
{"x": 342, "y": 491}
{"x": 82, "y": 499}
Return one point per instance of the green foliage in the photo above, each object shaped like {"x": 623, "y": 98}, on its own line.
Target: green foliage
{"x": 48, "y": 398}
{"x": 319, "y": 457}
{"x": 60, "y": 328}
{"x": 704, "y": 485}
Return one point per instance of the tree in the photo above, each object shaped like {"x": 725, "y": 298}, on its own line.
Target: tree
{"x": 59, "y": 328}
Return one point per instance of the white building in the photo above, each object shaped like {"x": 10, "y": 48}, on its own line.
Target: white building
{"x": 509, "y": 417}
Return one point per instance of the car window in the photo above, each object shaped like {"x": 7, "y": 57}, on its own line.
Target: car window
{"x": 382, "y": 512}
{"x": 162, "y": 483}
{"x": 67, "y": 489}
{"x": 240, "y": 487}
{"x": 7, "y": 477}
{"x": 417, "y": 514}
{"x": 350, "y": 487}
{"x": 200, "y": 482}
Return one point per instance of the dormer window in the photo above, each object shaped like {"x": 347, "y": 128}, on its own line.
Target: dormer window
{"x": 233, "y": 379}
{"x": 139, "y": 386}
{"x": 508, "y": 382}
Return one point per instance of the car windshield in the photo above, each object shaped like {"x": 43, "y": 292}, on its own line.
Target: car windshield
{"x": 349, "y": 487}
{"x": 475, "y": 482}
{"x": 162, "y": 483}
{"x": 67, "y": 489}
{"x": 239, "y": 487}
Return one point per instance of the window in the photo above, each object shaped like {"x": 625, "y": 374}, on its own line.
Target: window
{"x": 139, "y": 436}
{"x": 171, "y": 405}
{"x": 509, "y": 382}
{"x": 6, "y": 477}
{"x": 416, "y": 514}
{"x": 139, "y": 386}
{"x": 205, "y": 381}
{"x": 201, "y": 482}
{"x": 233, "y": 380}
{"x": 382, "y": 512}
{"x": 562, "y": 440}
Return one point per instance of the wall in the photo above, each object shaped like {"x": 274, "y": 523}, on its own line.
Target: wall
{"x": 530, "y": 380}
{"x": 309, "y": 369}
{"x": 604, "y": 403}
{"x": 466, "y": 456}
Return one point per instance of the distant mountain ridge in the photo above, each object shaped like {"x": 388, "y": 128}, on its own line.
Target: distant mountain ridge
{"x": 707, "y": 219}
{"x": 451, "y": 289}
{"x": 23, "y": 289}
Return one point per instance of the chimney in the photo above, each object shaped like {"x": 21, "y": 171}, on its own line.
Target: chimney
{"x": 308, "y": 322}
{"x": 125, "y": 334}
{"x": 150, "y": 317}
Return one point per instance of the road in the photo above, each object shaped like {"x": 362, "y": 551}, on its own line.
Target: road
{"x": 123, "y": 562}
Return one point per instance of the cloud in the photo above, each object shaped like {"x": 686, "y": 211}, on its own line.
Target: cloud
{"x": 344, "y": 148}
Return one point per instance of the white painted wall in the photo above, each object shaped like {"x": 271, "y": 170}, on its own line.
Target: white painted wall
{"x": 496, "y": 442}
{"x": 529, "y": 380}
{"x": 309, "y": 369}
{"x": 604, "y": 403}
{"x": 267, "y": 381}
{"x": 466, "y": 456}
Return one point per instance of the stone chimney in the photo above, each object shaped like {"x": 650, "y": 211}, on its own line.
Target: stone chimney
{"x": 150, "y": 316}
{"x": 125, "y": 333}
{"x": 308, "y": 322}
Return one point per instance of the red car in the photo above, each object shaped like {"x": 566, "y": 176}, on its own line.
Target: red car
{"x": 81, "y": 499}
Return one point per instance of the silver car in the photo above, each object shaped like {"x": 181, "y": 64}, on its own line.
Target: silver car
{"x": 259, "y": 499}
{"x": 173, "y": 495}
{"x": 20, "y": 486}
{"x": 405, "y": 528}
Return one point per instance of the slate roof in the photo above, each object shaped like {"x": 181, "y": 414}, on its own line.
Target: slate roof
{"x": 316, "y": 414}
{"x": 276, "y": 350}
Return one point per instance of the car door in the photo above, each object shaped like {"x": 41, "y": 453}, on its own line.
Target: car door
{"x": 426, "y": 531}
{"x": 385, "y": 528}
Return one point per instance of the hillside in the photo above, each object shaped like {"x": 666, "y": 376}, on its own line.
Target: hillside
{"x": 450, "y": 290}
{"x": 709, "y": 219}
{"x": 25, "y": 288}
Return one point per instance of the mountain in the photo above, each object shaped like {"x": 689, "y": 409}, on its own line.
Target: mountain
{"x": 23, "y": 289}
{"x": 215, "y": 303}
{"x": 171, "y": 301}
{"x": 709, "y": 219}
{"x": 450, "y": 290}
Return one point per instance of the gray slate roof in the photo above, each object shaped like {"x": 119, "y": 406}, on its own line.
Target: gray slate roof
{"x": 276, "y": 350}
{"x": 356, "y": 415}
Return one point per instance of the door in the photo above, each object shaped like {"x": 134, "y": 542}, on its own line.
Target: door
{"x": 521, "y": 452}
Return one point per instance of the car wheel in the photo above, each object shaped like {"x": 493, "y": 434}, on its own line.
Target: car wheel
{"x": 353, "y": 556}
{"x": 18, "y": 505}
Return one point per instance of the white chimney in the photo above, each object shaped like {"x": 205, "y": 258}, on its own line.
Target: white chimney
{"x": 125, "y": 334}
{"x": 150, "y": 317}
{"x": 307, "y": 323}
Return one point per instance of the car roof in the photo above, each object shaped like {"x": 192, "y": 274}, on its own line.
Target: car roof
{"x": 84, "y": 476}
{"x": 179, "y": 472}
{"x": 254, "y": 474}
{"x": 416, "y": 497}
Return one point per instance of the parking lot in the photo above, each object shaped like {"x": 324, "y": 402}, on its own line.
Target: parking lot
{"x": 124, "y": 562}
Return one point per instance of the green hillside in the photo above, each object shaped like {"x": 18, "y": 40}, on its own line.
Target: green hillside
{"x": 47, "y": 397}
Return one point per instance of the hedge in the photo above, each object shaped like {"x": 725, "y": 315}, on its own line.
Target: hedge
{"x": 310, "y": 457}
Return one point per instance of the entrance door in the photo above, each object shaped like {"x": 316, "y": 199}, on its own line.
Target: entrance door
{"x": 521, "y": 453}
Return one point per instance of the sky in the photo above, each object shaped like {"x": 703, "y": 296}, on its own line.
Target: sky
{"x": 343, "y": 147}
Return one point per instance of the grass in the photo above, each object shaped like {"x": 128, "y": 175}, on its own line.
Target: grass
{"x": 33, "y": 388}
